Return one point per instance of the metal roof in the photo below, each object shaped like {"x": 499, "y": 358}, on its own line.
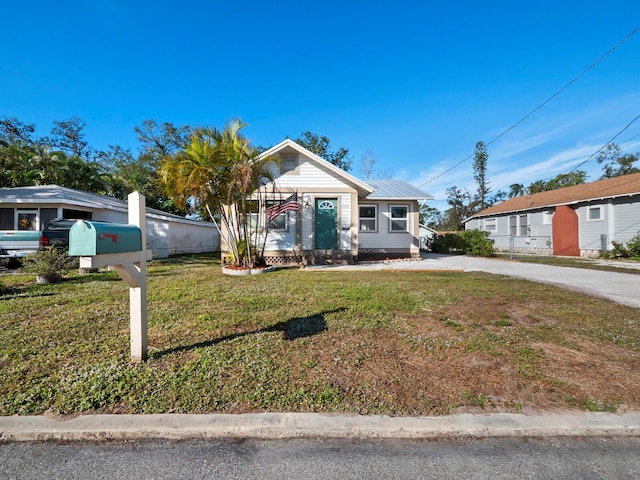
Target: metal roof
{"x": 48, "y": 194}
{"x": 396, "y": 190}
{"x": 55, "y": 195}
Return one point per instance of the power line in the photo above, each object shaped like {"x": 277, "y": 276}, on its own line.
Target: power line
{"x": 603, "y": 146}
{"x": 602, "y": 57}
{"x": 629, "y": 139}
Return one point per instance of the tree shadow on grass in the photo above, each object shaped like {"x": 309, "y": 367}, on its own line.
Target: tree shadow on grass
{"x": 297, "y": 327}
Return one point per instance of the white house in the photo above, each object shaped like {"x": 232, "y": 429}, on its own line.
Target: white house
{"x": 336, "y": 217}
{"x": 31, "y": 208}
{"x": 582, "y": 220}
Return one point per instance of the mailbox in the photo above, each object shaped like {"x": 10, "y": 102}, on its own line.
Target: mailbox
{"x": 87, "y": 238}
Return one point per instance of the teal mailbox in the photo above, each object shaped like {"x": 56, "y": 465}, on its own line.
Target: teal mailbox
{"x": 87, "y": 238}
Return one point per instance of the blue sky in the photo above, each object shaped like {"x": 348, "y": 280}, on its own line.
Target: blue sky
{"x": 416, "y": 83}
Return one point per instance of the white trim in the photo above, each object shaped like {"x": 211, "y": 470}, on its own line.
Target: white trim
{"x": 368, "y": 189}
{"x": 600, "y": 209}
{"x": 296, "y": 163}
{"x": 494, "y": 221}
{"x": 26, "y": 211}
{"x": 406, "y": 219}
{"x": 374, "y": 218}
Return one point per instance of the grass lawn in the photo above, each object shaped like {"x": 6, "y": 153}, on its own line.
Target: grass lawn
{"x": 398, "y": 343}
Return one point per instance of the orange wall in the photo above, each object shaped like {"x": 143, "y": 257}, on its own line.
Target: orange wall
{"x": 565, "y": 232}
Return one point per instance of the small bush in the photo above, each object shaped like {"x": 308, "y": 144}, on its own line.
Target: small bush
{"x": 477, "y": 243}
{"x": 448, "y": 243}
{"x": 618, "y": 251}
{"x": 48, "y": 263}
{"x": 633, "y": 246}
{"x": 470, "y": 242}
{"x": 632, "y": 249}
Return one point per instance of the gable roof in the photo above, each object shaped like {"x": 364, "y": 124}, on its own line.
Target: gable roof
{"x": 625, "y": 185}
{"x": 361, "y": 186}
{"x": 396, "y": 190}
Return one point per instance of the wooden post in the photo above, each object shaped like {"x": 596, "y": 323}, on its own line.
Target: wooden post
{"x": 138, "y": 294}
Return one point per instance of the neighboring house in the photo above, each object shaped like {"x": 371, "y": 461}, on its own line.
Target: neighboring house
{"x": 427, "y": 235}
{"x": 31, "y": 208}
{"x": 581, "y": 220}
{"x": 337, "y": 217}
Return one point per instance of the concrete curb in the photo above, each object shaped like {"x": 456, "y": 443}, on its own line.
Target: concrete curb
{"x": 314, "y": 425}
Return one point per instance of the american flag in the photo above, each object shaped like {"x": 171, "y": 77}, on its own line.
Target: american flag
{"x": 290, "y": 203}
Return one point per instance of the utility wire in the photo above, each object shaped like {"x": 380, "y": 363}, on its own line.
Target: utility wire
{"x": 602, "y": 57}
{"x": 629, "y": 139}
{"x": 603, "y": 146}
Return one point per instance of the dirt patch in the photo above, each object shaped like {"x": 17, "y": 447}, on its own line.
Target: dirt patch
{"x": 482, "y": 354}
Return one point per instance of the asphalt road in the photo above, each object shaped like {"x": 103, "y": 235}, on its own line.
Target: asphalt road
{"x": 498, "y": 458}
{"x": 622, "y": 288}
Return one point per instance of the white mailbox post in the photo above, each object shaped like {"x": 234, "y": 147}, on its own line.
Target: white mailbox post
{"x": 130, "y": 265}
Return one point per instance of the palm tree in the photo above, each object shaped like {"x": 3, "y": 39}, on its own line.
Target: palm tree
{"x": 219, "y": 171}
{"x": 537, "y": 187}
{"x": 516, "y": 190}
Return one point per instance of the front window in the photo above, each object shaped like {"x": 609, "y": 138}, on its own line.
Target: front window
{"x": 368, "y": 218}
{"x": 27, "y": 220}
{"x": 252, "y": 213}
{"x": 288, "y": 162}
{"x": 595, "y": 213}
{"x": 399, "y": 218}
{"x": 490, "y": 224}
{"x": 513, "y": 225}
{"x": 279, "y": 222}
{"x": 524, "y": 227}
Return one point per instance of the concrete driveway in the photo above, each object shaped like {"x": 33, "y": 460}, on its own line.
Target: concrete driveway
{"x": 622, "y": 288}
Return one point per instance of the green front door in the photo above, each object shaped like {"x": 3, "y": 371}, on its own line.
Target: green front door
{"x": 326, "y": 224}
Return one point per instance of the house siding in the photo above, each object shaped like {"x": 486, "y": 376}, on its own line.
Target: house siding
{"x": 384, "y": 241}
{"x": 344, "y": 222}
{"x": 590, "y": 231}
{"x": 619, "y": 222}
{"x": 307, "y": 175}
{"x": 626, "y": 219}
{"x": 536, "y": 240}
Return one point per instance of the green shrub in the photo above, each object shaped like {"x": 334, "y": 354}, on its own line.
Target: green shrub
{"x": 470, "y": 242}
{"x": 632, "y": 249}
{"x": 633, "y": 246}
{"x": 618, "y": 251}
{"x": 448, "y": 243}
{"x": 477, "y": 243}
{"x": 48, "y": 263}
